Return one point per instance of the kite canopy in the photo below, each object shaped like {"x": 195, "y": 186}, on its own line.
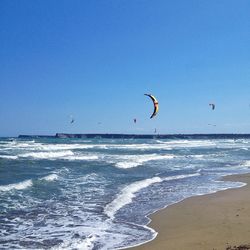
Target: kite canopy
{"x": 212, "y": 105}
{"x": 156, "y": 105}
{"x": 72, "y": 119}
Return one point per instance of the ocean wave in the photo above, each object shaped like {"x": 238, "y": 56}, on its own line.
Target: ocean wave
{"x": 86, "y": 244}
{"x": 182, "y": 176}
{"x": 158, "y": 145}
{"x": 18, "y": 186}
{"x": 128, "y": 193}
{"x": 16, "y": 144}
{"x": 51, "y": 177}
{"x": 56, "y": 147}
{"x": 48, "y": 155}
{"x": 142, "y": 147}
{"x": 11, "y": 157}
{"x": 81, "y": 157}
{"x": 166, "y": 145}
{"x": 46, "y": 147}
{"x": 59, "y": 155}
{"x": 189, "y": 143}
{"x": 131, "y": 161}
{"x": 83, "y": 244}
{"x": 246, "y": 164}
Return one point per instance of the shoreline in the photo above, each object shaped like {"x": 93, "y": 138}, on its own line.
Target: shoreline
{"x": 212, "y": 221}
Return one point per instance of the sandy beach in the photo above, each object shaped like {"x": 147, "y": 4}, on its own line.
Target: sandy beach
{"x": 209, "y": 222}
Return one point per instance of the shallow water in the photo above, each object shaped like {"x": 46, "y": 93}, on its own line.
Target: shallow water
{"x": 96, "y": 193}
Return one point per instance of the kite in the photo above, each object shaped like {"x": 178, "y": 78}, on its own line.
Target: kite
{"x": 156, "y": 105}
{"x": 72, "y": 120}
{"x": 212, "y": 105}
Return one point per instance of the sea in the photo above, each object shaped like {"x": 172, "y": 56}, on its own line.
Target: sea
{"x": 98, "y": 193}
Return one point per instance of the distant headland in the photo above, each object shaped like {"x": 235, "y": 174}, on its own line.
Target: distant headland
{"x": 139, "y": 136}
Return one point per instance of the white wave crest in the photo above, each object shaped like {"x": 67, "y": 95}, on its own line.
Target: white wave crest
{"x": 246, "y": 164}
{"x": 63, "y": 155}
{"x": 12, "y": 157}
{"x": 182, "y": 176}
{"x": 197, "y": 156}
{"x": 48, "y": 155}
{"x": 131, "y": 161}
{"x": 189, "y": 143}
{"x": 17, "y": 186}
{"x": 142, "y": 147}
{"x": 81, "y": 157}
{"x": 85, "y": 244}
{"x": 57, "y": 147}
{"x": 51, "y": 177}
{"x": 128, "y": 193}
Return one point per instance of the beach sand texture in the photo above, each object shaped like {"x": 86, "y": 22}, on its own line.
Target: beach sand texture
{"x": 216, "y": 221}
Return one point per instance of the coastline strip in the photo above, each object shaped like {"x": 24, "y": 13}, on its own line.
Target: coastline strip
{"x": 218, "y": 221}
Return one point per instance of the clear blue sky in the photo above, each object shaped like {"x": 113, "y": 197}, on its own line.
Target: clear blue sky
{"x": 95, "y": 60}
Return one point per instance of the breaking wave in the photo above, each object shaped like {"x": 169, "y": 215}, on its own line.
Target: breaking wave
{"x": 48, "y": 155}
{"x": 18, "y": 186}
{"x": 11, "y": 157}
{"x": 128, "y": 193}
{"x": 137, "y": 160}
{"x": 51, "y": 177}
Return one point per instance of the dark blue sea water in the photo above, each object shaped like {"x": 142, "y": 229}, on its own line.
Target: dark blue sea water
{"x": 97, "y": 193}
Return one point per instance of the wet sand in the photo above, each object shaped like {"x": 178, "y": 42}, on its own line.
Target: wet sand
{"x": 216, "y": 221}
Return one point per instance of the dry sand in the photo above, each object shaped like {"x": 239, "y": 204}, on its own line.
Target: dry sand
{"x": 216, "y": 221}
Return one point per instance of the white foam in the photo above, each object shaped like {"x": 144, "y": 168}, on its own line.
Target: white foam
{"x": 48, "y": 155}
{"x": 246, "y": 164}
{"x": 128, "y": 193}
{"x": 86, "y": 244}
{"x": 51, "y": 177}
{"x": 140, "y": 146}
{"x": 56, "y": 147}
{"x": 64, "y": 155}
{"x": 81, "y": 157}
{"x": 17, "y": 186}
{"x": 131, "y": 161}
{"x": 189, "y": 143}
{"x": 16, "y": 144}
{"x": 47, "y": 147}
{"x": 12, "y": 157}
{"x": 197, "y": 156}
{"x": 79, "y": 244}
{"x": 178, "y": 177}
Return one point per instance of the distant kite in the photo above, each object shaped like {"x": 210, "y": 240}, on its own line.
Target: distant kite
{"x": 156, "y": 105}
{"x": 135, "y": 120}
{"x": 211, "y": 125}
{"x": 72, "y": 120}
{"x": 212, "y": 105}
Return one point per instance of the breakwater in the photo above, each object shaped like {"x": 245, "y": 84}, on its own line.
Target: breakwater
{"x": 140, "y": 136}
